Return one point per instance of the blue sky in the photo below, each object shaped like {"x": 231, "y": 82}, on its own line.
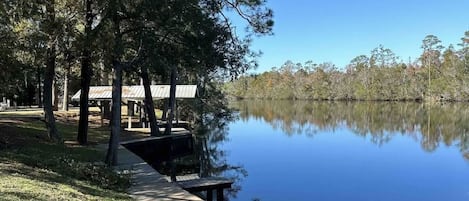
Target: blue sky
{"x": 338, "y": 30}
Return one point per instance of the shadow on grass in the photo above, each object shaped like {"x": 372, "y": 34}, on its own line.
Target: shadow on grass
{"x": 20, "y": 196}
{"x": 86, "y": 176}
{"x": 77, "y": 166}
{"x": 24, "y": 131}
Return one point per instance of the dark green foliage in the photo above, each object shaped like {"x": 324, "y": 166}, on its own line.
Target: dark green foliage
{"x": 158, "y": 34}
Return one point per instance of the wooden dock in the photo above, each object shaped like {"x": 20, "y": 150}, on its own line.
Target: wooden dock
{"x": 157, "y": 138}
{"x": 147, "y": 130}
{"x": 193, "y": 183}
{"x": 208, "y": 184}
{"x": 147, "y": 184}
{"x": 162, "y": 148}
{"x": 176, "y": 123}
{"x": 166, "y": 148}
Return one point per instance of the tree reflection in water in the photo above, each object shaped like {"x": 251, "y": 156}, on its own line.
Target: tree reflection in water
{"x": 210, "y": 127}
{"x": 432, "y": 125}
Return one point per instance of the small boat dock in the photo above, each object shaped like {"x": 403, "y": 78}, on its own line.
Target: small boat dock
{"x": 148, "y": 183}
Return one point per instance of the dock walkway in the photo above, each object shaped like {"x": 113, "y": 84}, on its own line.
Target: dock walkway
{"x": 147, "y": 183}
{"x": 148, "y": 130}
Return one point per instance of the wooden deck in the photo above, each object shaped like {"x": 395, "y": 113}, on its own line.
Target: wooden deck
{"x": 162, "y": 148}
{"x": 176, "y": 146}
{"x": 154, "y": 138}
{"x": 207, "y": 184}
{"x": 183, "y": 177}
{"x": 147, "y": 183}
{"x": 174, "y": 122}
{"x": 179, "y": 123}
{"x": 147, "y": 130}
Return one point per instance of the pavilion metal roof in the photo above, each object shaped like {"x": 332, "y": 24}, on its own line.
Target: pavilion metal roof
{"x": 137, "y": 92}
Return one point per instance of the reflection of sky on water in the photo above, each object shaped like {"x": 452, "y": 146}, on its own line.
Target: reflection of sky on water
{"x": 349, "y": 160}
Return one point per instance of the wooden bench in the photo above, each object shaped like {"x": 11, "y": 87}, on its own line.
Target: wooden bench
{"x": 207, "y": 184}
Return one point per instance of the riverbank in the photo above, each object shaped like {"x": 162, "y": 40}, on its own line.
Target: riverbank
{"x": 31, "y": 167}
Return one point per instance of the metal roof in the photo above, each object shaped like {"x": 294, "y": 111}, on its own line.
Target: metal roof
{"x": 137, "y": 92}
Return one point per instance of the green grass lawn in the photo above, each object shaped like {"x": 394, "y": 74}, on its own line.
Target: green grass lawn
{"x": 33, "y": 168}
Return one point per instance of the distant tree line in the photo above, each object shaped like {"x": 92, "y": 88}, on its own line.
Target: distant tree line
{"x": 438, "y": 74}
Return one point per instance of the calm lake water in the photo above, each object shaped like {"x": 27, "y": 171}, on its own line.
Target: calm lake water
{"x": 284, "y": 150}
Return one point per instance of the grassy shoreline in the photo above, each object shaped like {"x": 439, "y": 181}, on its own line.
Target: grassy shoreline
{"x": 33, "y": 168}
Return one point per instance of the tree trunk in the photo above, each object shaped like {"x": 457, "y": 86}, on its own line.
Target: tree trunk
{"x": 49, "y": 76}
{"x": 69, "y": 60}
{"x": 39, "y": 88}
{"x": 111, "y": 156}
{"x": 48, "y": 109}
{"x": 65, "y": 98}
{"x": 150, "y": 106}
{"x": 86, "y": 73}
{"x": 172, "y": 100}
{"x": 55, "y": 97}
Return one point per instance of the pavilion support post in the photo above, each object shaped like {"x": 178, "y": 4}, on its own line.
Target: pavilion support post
{"x": 176, "y": 111}
{"x": 144, "y": 115}
{"x": 165, "y": 109}
{"x": 129, "y": 124}
{"x": 209, "y": 195}
{"x": 101, "y": 111}
{"x": 220, "y": 196}
{"x": 140, "y": 113}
